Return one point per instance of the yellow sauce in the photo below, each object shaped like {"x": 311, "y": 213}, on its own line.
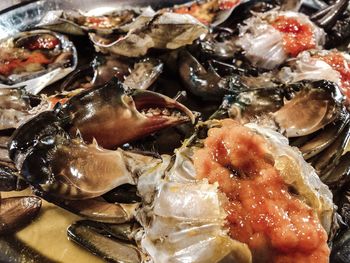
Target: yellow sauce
{"x": 48, "y": 234}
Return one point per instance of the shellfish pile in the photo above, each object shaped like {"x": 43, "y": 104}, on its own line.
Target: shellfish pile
{"x": 212, "y": 131}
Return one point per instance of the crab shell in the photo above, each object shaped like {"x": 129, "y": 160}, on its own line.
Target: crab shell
{"x": 183, "y": 216}
{"x": 70, "y": 22}
{"x": 160, "y": 31}
{"x": 34, "y": 82}
{"x": 213, "y": 12}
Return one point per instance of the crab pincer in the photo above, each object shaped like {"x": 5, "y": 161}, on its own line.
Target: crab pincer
{"x": 70, "y": 152}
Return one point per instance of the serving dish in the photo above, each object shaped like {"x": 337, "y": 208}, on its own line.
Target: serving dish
{"x": 226, "y": 72}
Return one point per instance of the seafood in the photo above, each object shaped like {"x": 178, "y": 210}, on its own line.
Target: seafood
{"x": 161, "y": 31}
{"x": 16, "y": 212}
{"x": 35, "y": 59}
{"x": 219, "y": 43}
{"x": 144, "y": 74}
{"x": 268, "y": 39}
{"x": 102, "y": 69}
{"x": 98, "y": 72}
{"x": 178, "y": 198}
{"x": 213, "y": 12}
{"x": 80, "y": 23}
{"x": 334, "y": 19}
{"x": 222, "y": 161}
{"x": 116, "y": 145}
{"x": 340, "y": 252}
{"x": 17, "y": 106}
{"x": 204, "y": 83}
{"x": 315, "y": 65}
{"x": 10, "y": 180}
{"x": 311, "y": 114}
{"x": 324, "y": 104}
{"x": 53, "y": 135}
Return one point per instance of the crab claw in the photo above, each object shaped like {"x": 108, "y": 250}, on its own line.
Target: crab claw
{"x": 327, "y": 17}
{"x": 68, "y": 168}
{"x": 114, "y": 116}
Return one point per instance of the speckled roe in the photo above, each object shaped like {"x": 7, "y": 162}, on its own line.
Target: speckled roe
{"x": 206, "y": 11}
{"x": 262, "y": 213}
{"x": 12, "y": 63}
{"x": 42, "y": 42}
{"x": 339, "y": 63}
{"x": 297, "y": 37}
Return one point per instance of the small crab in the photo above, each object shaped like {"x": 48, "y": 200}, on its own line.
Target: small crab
{"x": 185, "y": 212}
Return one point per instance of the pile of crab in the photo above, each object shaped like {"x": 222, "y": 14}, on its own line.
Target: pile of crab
{"x": 213, "y": 131}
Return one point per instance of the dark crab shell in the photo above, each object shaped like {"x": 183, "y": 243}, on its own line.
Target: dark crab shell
{"x": 64, "y": 60}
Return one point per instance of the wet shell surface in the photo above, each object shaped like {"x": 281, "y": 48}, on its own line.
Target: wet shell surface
{"x": 36, "y": 59}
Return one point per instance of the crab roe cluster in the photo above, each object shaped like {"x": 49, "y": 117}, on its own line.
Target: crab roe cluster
{"x": 297, "y": 36}
{"x": 261, "y": 209}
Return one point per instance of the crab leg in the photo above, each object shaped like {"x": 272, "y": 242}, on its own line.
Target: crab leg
{"x": 9, "y": 180}
{"x": 327, "y": 17}
{"x": 94, "y": 209}
{"x": 107, "y": 248}
{"x": 17, "y": 212}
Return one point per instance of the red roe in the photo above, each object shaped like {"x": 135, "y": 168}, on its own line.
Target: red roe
{"x": 297, "y": 37}
{"x": 43, "y": 43}
{"x": 9, "y": 66}
{"x": 228, "y": 4}
{"x": 338, "y": 62}
{"x": 276, "y": 225}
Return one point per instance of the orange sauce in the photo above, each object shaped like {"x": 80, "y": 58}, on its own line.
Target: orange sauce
{"x": 228, "y": 4}
{"x": 262, "y": 213}
{"x": 297, "y": 37}
{"x": 54, "y": 100}
{"x": 197, "y": 11}
{"x": 8, "y": 67}
{"x": 337, "y": 61}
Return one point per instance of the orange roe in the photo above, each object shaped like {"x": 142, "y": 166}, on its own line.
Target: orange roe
{"x": 228, "y": 4}
{"x": 297, "y": 37}
{"x": 338, "y": 62}
{"x": 196, "y": 11}
{"x": 98, "y": 22}
{"x": 7, "y": 67}
{"x": 54, "y": 100}
{"x": 276, "y": 225}
{"x": 206, "y": 11}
